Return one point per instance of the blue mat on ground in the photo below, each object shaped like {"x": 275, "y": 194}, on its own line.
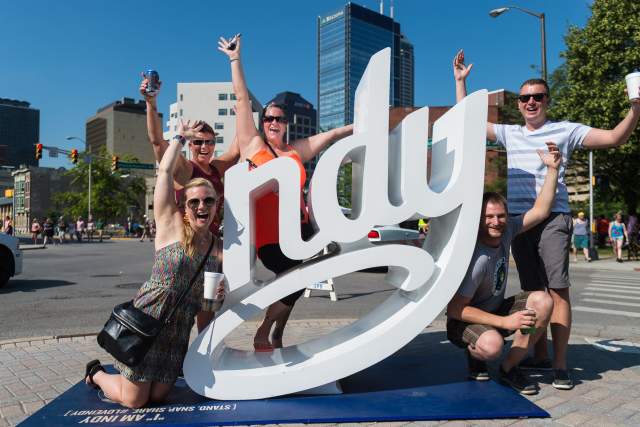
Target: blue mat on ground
{"x": 423, "y": 381}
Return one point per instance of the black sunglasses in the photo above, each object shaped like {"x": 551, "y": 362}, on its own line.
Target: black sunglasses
{"x": 538, "y": 97}
{"x": 278, "y": 119}
{"x": 193, "y": 204}
{"x": 199, "y": 142}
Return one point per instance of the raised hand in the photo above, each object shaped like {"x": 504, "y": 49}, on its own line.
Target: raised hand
{"x": 225, "y": 47}
{"x": 190, "y": 130}
{"x": 552, "y": 158}
{"x": 460, "y": 71}
{"x": 149, "y": 97}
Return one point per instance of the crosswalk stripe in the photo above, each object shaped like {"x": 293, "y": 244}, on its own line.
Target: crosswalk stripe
{"x": 609, "y": 302}
{"x": 605, "y": 311}
{"x": 615, "y": 286}
{"x": 611, "y": 279}
{"x": 619, "y": 291}
{"x": 594, "y": 294}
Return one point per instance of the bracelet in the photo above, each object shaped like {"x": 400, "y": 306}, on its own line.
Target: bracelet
{"x": 234, "y": 59}
{"x": 181, "y": 139}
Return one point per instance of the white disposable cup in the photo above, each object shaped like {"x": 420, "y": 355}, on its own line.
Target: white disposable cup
{"x": 633, "y": 84}
{"x": 211, "y": 282}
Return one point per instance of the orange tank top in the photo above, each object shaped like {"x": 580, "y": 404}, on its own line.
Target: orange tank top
{"x": 266, "y": 221}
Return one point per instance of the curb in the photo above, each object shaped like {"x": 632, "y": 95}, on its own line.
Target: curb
{"x": 30, "y": 341}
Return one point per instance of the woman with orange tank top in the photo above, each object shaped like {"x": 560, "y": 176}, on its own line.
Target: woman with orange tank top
{"x": 258, "y": 148}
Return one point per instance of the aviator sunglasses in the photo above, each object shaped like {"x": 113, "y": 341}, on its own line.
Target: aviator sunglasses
{"x": 193, "y": 204}
{"x": 538, "y": 97}
{"x": 278, "y": 119}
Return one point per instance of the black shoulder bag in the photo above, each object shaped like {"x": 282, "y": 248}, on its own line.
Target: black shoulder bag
{"x": 130, "y": 332}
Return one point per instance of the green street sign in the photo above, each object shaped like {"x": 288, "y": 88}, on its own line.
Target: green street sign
{"x": 132, "y": 165}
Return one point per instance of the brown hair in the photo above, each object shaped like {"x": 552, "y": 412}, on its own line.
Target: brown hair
{"x": 188, "y": 233}
{"x": 493, "y": 197}
{"x": 532, "y": 82}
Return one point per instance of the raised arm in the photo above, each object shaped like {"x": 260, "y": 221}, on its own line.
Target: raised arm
{"x": 460, "y": 73}
{"x": 183, "y": 169}
{"x": 309, "y": 147}
{"x": 249, "y": 141}
{"x": 542, "y": 207}
{"x": 167, "y": 215}
{"x": 228, "y": 159}
{"x": 603, "y": 138}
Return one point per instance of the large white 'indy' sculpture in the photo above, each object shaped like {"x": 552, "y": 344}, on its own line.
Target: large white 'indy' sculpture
{"x": 391, "y": 183}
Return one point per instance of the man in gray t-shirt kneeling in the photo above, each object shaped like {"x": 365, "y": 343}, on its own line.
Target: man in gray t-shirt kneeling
{"x": 479, "y": 316}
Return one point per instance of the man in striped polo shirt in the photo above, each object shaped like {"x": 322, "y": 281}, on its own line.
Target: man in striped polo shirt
{"x": 542, "y": 253}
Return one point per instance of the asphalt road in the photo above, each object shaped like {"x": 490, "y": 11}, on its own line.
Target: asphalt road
{"x": 72, "y": 288}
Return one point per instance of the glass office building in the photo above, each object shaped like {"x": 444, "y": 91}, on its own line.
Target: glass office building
{"x": 346, "y": 40}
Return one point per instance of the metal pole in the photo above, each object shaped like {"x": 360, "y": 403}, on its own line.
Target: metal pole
{"x": 592, "y": 226}
{"x": 544, "y": 48}
{"x": 90, "y": 162}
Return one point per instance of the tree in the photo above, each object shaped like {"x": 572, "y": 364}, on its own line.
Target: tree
{"x": 598, "y": 57}
{"x": 111, "y": 193}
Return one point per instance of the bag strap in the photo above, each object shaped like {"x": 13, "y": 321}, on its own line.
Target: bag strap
{"x": 271, "y": 149}
{"x": 193, "y": 280}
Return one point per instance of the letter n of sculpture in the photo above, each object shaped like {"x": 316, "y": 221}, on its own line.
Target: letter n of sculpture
{"x": 391, "y": 183}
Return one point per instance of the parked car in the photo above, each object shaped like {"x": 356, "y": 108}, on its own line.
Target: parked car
{"x": 10, "y": 258}
{"x": 394, "y": 234}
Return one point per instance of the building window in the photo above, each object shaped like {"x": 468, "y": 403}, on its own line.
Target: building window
{"x": 222, "y": 111}
{"x": 219, "y": 140}
{"x": 232, "y": 96}
{"x": 180, "y": 97}
{"x": 232, "y": 112}
{"x": 181, "y": 112}
{"x": 222, "y": 97}
{"x": 218, "y": 126}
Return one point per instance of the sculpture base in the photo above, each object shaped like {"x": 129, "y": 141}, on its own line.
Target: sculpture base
{"x": 423, "y": 381}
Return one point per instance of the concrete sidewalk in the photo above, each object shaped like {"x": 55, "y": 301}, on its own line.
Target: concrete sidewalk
{"x": 606, "y": 371}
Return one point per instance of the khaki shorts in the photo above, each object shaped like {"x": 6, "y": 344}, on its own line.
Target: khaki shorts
{"x": 462, "y": 333}
{"x": 542, "y": 254}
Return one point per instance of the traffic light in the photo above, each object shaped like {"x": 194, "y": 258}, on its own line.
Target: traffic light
{"x": 114, "y": 163}
{"x": 74, "y": 156}
{"x": 38, "y": 151}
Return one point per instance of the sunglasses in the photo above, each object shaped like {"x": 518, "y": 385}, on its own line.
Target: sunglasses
{"x": 538, "y": 97}
{"x": 199, "y": 142}
{"x": 278, "y": 119}
{"x": 193, "y": 204}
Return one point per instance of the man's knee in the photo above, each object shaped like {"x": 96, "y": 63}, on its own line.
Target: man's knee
{"x": 489, "y": 345}
{"x": 542, "y": 303}
{"x": 560, "y": 295}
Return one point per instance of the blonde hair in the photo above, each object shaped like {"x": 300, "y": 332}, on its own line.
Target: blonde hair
{"x": 188, "y": 233}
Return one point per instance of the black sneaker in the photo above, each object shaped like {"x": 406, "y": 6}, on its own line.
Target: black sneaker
{"x": 518, "y": 381}
{"x": 477, "y": 368}
{"x": 530, "y": 364}
{"x": 562, "y": 380}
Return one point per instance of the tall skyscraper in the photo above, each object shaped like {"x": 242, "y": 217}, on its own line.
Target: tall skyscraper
{"x": 346, "y": 40}
{"x": 19, "y": 133}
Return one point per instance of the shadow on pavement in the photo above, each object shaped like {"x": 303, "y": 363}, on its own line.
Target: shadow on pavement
{"x": 17, "y": 285}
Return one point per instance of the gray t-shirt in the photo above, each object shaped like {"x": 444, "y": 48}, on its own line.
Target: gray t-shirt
{"x": 486, "y": 278}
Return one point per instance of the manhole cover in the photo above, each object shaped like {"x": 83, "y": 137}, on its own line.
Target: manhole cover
{"x": 128, "y": 285}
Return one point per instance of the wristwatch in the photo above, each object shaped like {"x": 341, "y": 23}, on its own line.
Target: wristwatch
{"x": 181, "y": 139}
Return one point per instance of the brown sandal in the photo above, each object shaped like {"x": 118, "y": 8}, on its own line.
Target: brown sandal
{"x": 93, "y": 368}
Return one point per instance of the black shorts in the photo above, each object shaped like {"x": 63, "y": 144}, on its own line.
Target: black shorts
{"x": 273, "y": 259}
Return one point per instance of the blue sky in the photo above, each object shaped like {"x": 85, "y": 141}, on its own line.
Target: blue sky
{"x": 69, "y": 58}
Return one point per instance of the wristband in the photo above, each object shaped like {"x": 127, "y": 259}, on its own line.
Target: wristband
{"x": 181, "y": 139}
{"x": 234, "y": 59}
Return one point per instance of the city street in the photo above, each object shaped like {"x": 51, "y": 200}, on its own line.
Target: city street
{"x": 71, "y": 289}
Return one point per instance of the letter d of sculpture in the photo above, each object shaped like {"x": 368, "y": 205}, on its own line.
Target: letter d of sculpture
{"x": 391, "y": 183}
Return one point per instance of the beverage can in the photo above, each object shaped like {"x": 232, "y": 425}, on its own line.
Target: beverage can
{"x": 154, "y": 82}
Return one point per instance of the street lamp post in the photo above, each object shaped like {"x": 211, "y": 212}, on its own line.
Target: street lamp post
{"x": 499, "y": 11}
{"x": 88, "y": 149}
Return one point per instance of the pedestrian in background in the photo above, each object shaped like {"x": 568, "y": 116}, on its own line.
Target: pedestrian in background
{"x": 47, "y": 232}
{"x": 7, "y": 227}
{"x": 35, "y": 230}
{"x": 581, "y": 237}
{"x": 62, "y": 229}
{"x": 146, "y": 230}
{"x": 617, "y": 234}
{"x": 602, "y": 227}
{"x": 91, "y": 227}
{"x": 80, "y": 228}
{"x": 100, "y": 229}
